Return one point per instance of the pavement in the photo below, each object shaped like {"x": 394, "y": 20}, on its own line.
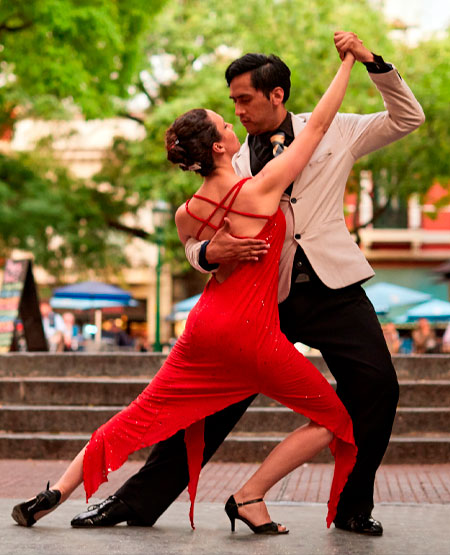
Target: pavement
{"x": 412, "y": 502}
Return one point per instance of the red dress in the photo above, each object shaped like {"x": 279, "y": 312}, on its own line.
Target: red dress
{"x": 232, "y": 347}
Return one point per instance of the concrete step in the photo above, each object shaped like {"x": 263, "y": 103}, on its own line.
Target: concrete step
{"x": 81, "y": 364}
{"x": 70, "y": 391}
{"x": 421, "y": 449}
{"x": 422, "y": 367}
{"x": 54, "y": 419}
{"x": 84, "y": 419}
{"x": 408, "y": 367}
{"x": 41, "y": 445}
{"x": 281, "y": 419}
{"x": 121, "y": 391}
{"x": 423, "y": 393}
{"x": 421, "y": 420}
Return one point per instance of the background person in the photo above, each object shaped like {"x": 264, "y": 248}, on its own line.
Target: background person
{"x": 72, "y": 337}
{"x": 391, "y": 337}
{"x": 54, "y": 327}
{"x": 424, "y": 338}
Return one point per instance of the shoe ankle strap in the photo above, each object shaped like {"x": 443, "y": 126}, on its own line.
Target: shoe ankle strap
{"x": 260, "y": 500}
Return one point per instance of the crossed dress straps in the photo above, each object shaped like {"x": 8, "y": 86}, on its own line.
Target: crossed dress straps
{"x": 233, "y": 193}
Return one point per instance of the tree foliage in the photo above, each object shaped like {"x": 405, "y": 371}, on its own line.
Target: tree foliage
{"x": 92, "y": 52}
{"x": 86, "y": 52}
{"x": 200, "y": 40}
{"x": 59, "y": 58}
{"x": 58, "y": 218}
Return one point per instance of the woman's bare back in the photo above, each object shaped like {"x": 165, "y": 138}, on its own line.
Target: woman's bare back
{"x": 240, "y": 202}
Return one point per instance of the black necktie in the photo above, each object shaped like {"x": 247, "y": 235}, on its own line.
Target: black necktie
{"x": 277, "y": 141}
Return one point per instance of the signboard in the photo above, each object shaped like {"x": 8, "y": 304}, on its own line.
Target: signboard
{"x": 18, "y": 299}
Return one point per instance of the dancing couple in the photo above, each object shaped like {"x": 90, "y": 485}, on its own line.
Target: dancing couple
{"x": 232, "y": 347}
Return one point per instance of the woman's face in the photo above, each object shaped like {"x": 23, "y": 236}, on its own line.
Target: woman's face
{"x": 228, "y": 136}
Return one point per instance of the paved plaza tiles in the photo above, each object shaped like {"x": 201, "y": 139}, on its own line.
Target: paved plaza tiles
{"x": 412, "y": 501}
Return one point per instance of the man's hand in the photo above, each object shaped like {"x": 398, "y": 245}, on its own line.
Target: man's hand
{"x": 224, "y": 248}
{"x": 349, "y": 42}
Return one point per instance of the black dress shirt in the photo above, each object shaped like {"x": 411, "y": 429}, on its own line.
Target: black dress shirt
{"x": 261, "y": 149}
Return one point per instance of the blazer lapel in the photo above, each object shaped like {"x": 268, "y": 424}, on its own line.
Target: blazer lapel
{"x": 241, "y": 160}
{"x": 298, "y": 122}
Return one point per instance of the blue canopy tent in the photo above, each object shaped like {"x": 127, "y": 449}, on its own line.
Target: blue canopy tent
{"x": 86, "y": 304}
{"x": 387, "y": 296}
{"x": 89, "y": 295}
{"x": 434, "y": 310}
{"x": 93, "y": 291}
{"x": 384, "y": 296}
{"x": 180, "y": 310}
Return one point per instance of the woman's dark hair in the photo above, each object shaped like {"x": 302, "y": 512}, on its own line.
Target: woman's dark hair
{"x": 267, "y": 72}
{"x": 189, "y": 142}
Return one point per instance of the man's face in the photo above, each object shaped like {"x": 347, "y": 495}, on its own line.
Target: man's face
{"x": 256, "y": 112}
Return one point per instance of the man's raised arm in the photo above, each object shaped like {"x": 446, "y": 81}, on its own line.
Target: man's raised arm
{"x": 369, "y": 132}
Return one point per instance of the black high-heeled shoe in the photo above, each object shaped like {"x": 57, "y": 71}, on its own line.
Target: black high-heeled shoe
{"x": 232, "y": 510}
{"x": 23, "y": 513}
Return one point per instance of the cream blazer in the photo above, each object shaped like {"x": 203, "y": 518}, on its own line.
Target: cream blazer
{"x": 314, "y": 212}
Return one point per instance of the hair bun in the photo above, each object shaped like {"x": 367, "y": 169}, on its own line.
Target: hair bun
{"x": 189, "y": 142}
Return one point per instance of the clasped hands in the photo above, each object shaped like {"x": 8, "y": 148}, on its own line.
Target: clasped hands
{"x": 346, "y": 41}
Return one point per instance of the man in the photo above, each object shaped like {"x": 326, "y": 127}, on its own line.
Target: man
{"x": 322, "y": 303}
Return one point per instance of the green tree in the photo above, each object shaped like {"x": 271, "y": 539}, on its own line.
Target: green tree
{"x": 301, "y": 32}
{"x": 195, "y": 41}
{"x": 57, "y": 58}
{"x": 201, "y": 39}
{"x": 87, "y": 52}
{"x": 56, "y": 217}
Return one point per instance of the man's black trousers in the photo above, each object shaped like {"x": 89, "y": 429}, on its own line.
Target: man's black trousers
{"x": 342, "y": 324}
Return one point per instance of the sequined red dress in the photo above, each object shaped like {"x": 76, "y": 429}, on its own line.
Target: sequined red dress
{"x": 232, "y": 347}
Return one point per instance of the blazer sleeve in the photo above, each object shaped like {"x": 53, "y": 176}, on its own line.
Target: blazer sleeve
{"x": 192, "y": 250}
{"x": 366, "y": 133}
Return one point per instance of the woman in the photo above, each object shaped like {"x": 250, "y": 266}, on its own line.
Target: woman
{"x": 232, "y": 346}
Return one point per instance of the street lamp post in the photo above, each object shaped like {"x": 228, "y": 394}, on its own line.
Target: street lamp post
{"x": 160, "y": 213}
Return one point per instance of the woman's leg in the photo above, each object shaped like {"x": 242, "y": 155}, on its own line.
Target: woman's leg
{"x": 292, "y": 380}
{"x": 300, "y": 446}
{"x": 69, "y": 481}
{"x": 72, "y": 477}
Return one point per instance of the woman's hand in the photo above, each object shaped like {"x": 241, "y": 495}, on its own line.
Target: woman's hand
{"x": 349, "y": 58}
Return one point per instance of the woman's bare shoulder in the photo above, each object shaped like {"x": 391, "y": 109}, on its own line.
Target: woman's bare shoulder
{"x": 182, "y": 221}
{"x": 181, "y": 211}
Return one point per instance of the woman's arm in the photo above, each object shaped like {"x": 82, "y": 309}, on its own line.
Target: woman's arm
{"x": 283, "y": 169}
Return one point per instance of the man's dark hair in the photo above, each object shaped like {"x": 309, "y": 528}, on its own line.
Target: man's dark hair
{"x": 267, "y": 72}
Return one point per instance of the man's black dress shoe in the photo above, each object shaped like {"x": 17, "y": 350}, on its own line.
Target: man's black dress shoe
{"x": 109, "y": 512}
{"x": 360, "y": 524}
